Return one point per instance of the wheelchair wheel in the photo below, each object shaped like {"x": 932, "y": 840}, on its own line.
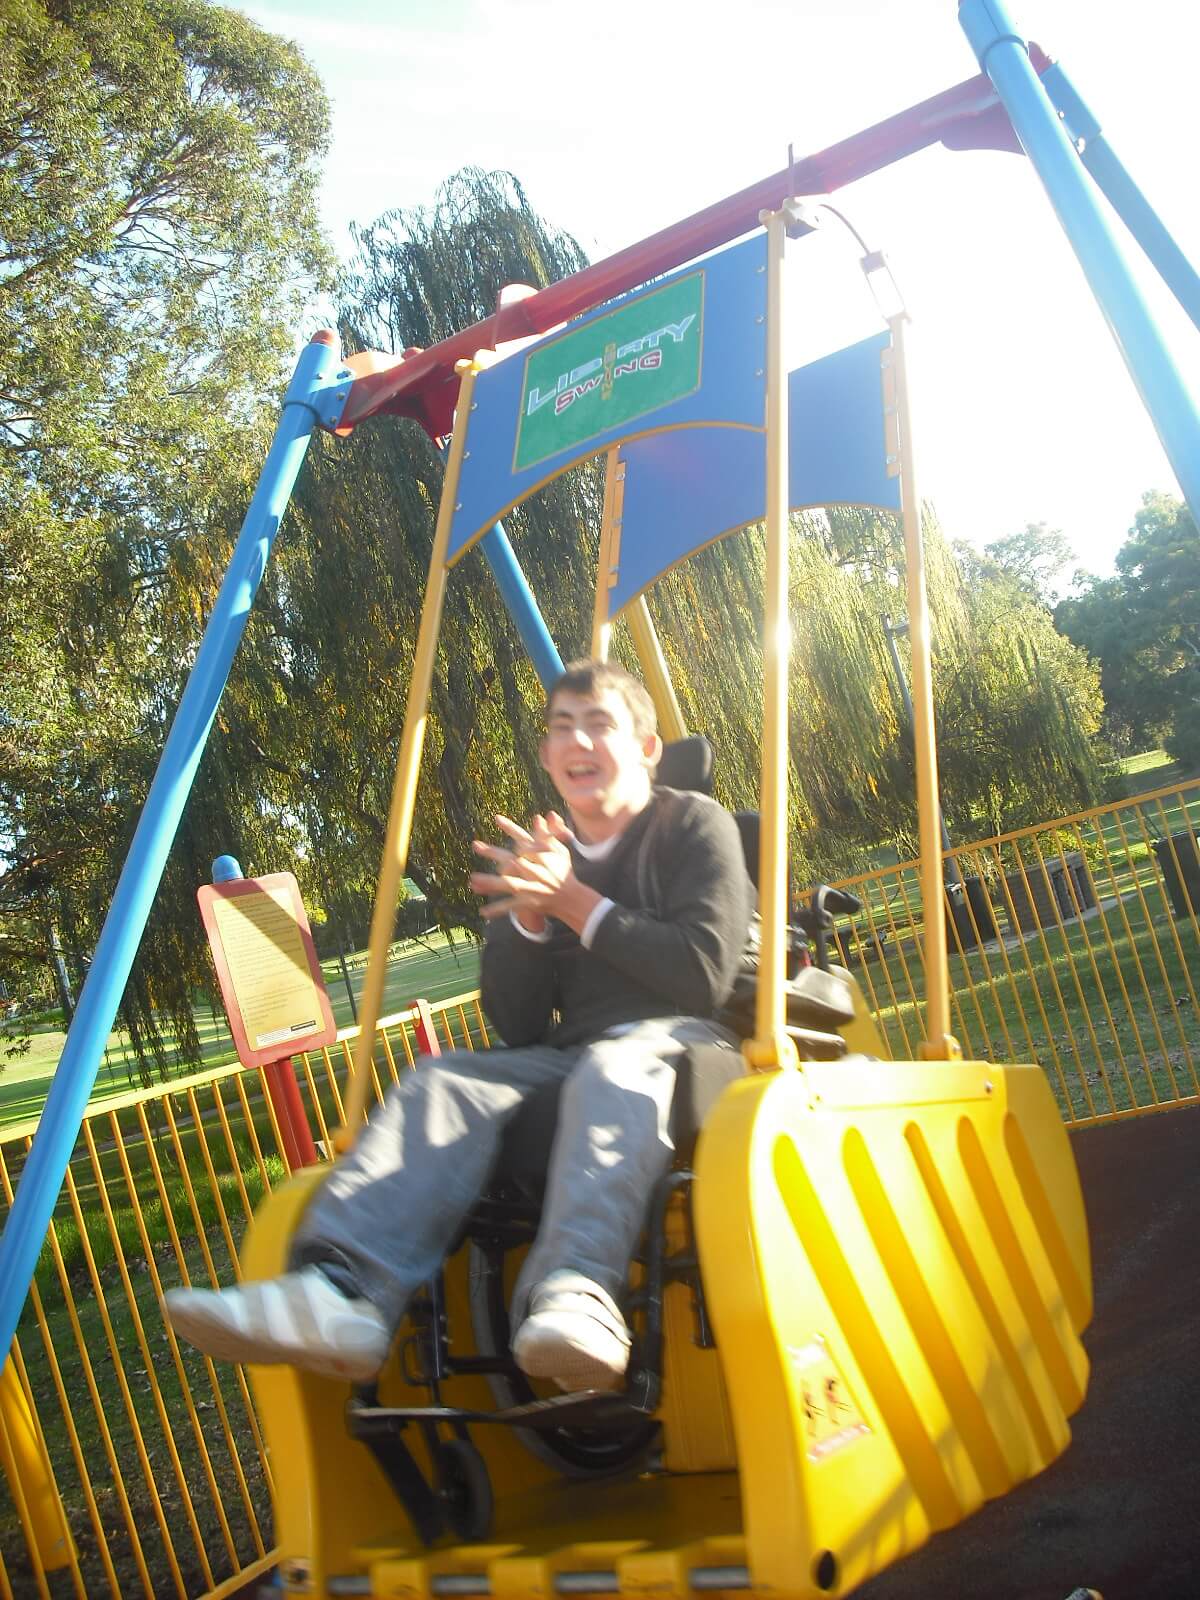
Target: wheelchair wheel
{"x": 576, "y": 1452}
{"x": 465, "y": 1489}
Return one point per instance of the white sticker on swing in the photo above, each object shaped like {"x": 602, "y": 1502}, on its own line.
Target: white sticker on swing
{"x": 832, "y": 1419}
{"x": 262, "y": 1040}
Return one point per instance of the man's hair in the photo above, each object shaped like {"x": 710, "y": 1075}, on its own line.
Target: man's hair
{"x": 592, "y": 678}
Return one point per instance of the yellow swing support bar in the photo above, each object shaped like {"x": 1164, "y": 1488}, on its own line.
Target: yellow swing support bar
{"x": 607, "y": 556}
{"x": 408, "y": 768}
{"x": 654, "y": 669}
{"x": 939, "y": 1043}
{"x": 771, "y": 1048}
{"x": 641, "y": 626}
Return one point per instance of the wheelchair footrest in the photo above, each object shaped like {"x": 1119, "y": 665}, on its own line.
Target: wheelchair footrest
{"x": 589, "y": 1408}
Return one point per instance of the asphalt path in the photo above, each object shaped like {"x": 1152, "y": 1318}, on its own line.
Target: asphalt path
{"x": 1119, "y": 1512}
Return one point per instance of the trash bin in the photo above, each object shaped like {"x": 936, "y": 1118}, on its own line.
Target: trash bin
{"x": 1034, "y": 899}
{"x": 1179, "y": 864}
{"x": 1081, "y": 877}
{"x": 966, "y": 901}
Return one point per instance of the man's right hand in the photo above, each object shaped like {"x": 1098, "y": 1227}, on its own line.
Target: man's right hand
{"x": 538, "y": 862}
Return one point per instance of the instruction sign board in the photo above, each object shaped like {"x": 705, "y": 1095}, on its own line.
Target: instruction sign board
{"x": 688, "y": 351}
{"x": 267, "y": 966}
{"x": 614, "y": 369}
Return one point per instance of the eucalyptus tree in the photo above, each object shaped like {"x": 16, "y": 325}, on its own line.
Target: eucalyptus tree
{"x": 1141, "y": 626}
{"x": 158, "y": 240}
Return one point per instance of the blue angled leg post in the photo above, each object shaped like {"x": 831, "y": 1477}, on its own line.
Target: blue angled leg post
{"x": 312, "y": 395}
{"x": 1127, "y": 200}
{"x": 1003, "y": 56}
{"x": 519, "y": 602}
{"x": 521, "y": 606}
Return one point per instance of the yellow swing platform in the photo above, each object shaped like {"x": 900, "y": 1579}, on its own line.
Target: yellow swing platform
{"x": 881, "y": 1268}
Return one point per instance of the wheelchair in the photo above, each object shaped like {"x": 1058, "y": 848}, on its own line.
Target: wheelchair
{"x": 590, "y": 1434}
{"x": 856, "y": 1312}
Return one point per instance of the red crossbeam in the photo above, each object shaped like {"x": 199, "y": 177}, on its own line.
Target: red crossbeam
{"x": 422, "y": 384}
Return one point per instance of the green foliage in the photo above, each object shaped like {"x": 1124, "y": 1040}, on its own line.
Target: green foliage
{"x": 1032, "y": 559}
{"x": 1142, "y": 627}
{"x": 158, "y": 163}
{"x": 1018, "y": 712}
{"x": 1016, "y": 704}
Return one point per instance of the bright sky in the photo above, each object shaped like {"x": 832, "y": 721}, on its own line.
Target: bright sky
{"x": 624, "y": 117}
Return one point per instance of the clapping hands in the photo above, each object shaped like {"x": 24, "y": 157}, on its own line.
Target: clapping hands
{"x": 533, "y": 876}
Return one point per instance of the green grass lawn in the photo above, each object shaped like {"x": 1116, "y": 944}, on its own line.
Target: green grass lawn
{"x": 434, "y": 970}
{"x": 1108, "y": 1003}
{"x": 1153, "y": 769}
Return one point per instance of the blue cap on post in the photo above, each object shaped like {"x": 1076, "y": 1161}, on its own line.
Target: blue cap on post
{"x": 225, "y": 869}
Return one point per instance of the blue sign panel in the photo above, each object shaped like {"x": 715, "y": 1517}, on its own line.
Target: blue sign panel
{"x": 686, "y": 351}
{"x": 683, "y": 490}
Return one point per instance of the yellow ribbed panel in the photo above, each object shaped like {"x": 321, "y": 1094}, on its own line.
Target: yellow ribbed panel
{"x": 896, "y": 1264}
{"x": 331, "y": 1499}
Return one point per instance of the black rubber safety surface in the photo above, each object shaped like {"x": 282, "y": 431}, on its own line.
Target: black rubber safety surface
{"x": 1120, "y": 1511}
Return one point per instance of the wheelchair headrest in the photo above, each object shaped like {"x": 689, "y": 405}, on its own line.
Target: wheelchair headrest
{"x": 687, "y": 764}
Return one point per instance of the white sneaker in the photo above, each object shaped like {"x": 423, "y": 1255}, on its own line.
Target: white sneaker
{"x": 574, "y": 1334}
{"x": 299, "y": 1319}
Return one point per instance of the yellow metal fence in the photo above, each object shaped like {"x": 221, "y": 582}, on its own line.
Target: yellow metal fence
{"x": 1074, "y": 944}
{"x": 155, "y": 1451}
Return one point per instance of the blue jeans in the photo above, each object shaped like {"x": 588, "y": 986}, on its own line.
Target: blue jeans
{"x": 390, "y": 1209}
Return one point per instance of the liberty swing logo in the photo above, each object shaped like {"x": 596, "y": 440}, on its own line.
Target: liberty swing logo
{"x": 615, "y": 369}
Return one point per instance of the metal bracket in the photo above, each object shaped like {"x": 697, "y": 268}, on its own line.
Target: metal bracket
{"x": 330, "y": 400}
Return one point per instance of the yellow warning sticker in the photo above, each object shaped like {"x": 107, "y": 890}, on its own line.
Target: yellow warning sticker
{"x": 832, "y": 1419}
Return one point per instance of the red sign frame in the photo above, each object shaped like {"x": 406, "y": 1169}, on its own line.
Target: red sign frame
{"x": 208, "y": 895}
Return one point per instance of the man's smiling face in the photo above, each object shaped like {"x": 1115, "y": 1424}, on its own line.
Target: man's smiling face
{"x": 596, "y": 760}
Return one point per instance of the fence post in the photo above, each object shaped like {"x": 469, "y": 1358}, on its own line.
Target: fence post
{"x": 427, "y": 1039}
{"x": 294, "y": 1130}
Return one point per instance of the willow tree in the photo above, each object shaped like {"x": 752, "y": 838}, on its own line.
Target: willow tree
{"x": 1017, "y": 705}
{"x": 318, "y": 699}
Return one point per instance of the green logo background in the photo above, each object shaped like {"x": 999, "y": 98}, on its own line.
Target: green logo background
{"x": 543, "y": 433}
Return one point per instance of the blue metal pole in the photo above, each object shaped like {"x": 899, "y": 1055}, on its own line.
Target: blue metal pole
{"x": 519, "y": 602}
{"x": 1003, "y": 56}
{"x": 1127, "y": 200}
{"x": 521, "y": 606}
{"x": 33, "y": 1204}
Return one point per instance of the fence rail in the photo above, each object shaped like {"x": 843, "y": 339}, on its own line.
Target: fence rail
{"x": 161, "y": 1475}
{"x": 1073, "y": 944}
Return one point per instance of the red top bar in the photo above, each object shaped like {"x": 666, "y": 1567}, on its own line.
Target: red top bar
{"x": 423, "y": 385}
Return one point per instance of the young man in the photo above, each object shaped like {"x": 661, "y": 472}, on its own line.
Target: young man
{"x": 611, "y": 944}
